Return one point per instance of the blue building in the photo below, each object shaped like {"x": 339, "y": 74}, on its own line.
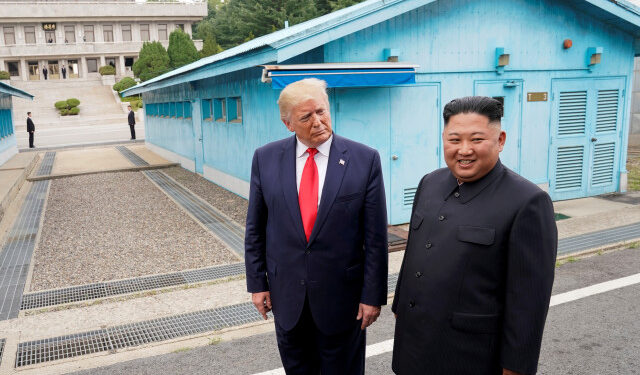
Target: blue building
{"x": 563, "y": 69}
{"x": 8, "y": 146}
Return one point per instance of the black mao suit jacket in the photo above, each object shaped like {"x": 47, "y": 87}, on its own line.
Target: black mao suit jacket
{"x": 30, "y": 126}
{"x": 475, "y": 284}
{"x": 345, "y": 260}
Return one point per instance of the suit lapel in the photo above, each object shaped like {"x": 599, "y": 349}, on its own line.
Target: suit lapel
{"x": 289, "y": 187}
{"x": 332, "y": 182}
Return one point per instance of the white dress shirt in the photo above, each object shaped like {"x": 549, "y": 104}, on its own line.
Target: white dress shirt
{"x": 321, "y": 158}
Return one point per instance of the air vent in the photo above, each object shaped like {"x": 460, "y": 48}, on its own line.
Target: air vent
{"x": 603, "y": 160}
{"x": 569, "y": 167}
{"x": 409, "y": 194}
{"x": 607, "y": 118}
{"x": 572, "y": 112}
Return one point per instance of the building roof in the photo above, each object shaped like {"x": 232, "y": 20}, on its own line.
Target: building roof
{"x": 10, "y": 90}
{"x": 295, "y": 40}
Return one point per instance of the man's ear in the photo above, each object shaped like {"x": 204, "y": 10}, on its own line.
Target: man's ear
{"x": 502, "y": 138}
{"x": 287, "y": 124}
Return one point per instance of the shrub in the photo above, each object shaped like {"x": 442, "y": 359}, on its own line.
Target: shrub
{"x": 124, "y": 84}
{"x": 107, "y": 70}
{"x": 181, "y": 49}
{"x": 64, "y": 112}
{"x": 72, "y": 102}
{"x": 153, "y": 61}
{"x": 4, "y": 74}
{"x": 62, "y": 104}
{"x": 74, "y": 111}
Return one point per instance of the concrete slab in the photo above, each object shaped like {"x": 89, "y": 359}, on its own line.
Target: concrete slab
{"x": 97, "y": 159}
{"x": 148, "y": 155}
{"x": 19, "y": 161}
{"x": 12, "y": 175}
{"x": 587, "y": 206}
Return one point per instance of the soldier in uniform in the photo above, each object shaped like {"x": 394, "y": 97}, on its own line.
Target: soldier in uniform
{"x": 475, "y": 284}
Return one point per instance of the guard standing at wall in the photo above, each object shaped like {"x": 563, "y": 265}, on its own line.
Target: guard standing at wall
{"x": 31, "y": 129}
{"x": 64, "y": 72}
{"x": 132, "y": 122}
{"x": 45, "y": 72}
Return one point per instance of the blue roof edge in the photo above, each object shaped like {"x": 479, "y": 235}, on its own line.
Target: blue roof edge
{"x": 8, "y": 89}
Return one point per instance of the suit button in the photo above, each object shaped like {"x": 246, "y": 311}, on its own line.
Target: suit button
{"x": 301, "y": 282}
{"x": 418, "y": 274}
{"x": 412, "y": 304}
{"x": 456, "y": 194}
{"x": 440, "y": 217}
{"x": 428, "y": 245}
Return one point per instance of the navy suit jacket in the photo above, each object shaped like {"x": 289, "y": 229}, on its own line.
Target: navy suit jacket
{"x": 344, "y": 262}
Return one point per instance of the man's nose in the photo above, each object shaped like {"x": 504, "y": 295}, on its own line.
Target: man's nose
{"x": 465, "y": 148}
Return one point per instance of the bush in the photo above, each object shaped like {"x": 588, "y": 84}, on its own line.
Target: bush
{"x": 72, "y": 102}
{"x": 62, "y": 104}
{"x": 153, "y": 61}
{"x": 181, "y": 49}
{"x": 64, "y": 112}
{"x": 124, "y": 84}
{"x": 107, "y": 70}
{"x": 74, "y": 111}
{"x": 4, "y": 75}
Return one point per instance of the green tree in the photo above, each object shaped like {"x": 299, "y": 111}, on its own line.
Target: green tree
{"x": 339, "y": 4}
{"x": 153, "y": 61}
{"x": 181, "y": 49}
{"x": 210, "y": 47}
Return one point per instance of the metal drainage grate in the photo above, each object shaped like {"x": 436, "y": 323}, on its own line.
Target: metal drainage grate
{"x": 118, "y": 287}
{"x": 132, "y": 156}
{"x": 47, "y": 164}
{"x": 223, "y": 227}
{"x": 598, "y": 239}
{"x": 18, "y": 249}
{"x": 2, "y": 341}
{"x": 140, "y": 333}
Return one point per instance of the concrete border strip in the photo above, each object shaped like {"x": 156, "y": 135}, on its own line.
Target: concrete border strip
{"x": 115, "y": 170}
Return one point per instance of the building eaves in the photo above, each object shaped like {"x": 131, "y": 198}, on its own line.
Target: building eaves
{"x": 10, "y": 90}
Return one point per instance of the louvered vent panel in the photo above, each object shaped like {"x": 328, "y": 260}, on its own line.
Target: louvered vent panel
{"x": 607, "y": 118}
{"x": 572, "y": 112}
{"x": 603, "y": 157}
{"x": 409, "y": 194}
{"x": 569, "y": 167}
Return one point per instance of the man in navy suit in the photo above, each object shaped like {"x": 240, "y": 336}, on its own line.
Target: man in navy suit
{"x": 316, "y": 237}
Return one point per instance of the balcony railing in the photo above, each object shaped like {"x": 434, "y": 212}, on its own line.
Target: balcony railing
{"x": 77, "y": 49}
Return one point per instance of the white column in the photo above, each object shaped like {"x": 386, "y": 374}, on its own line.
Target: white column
{"x": 121, "y": 69}
{"x": 102, "y": 61}
{"x": 84, "y": 72}
{"x": 24, "y": 70}
{"x": 2, "y": 65}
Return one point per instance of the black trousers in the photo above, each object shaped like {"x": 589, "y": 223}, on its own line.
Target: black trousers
{"x": 133, "y": 131}
{"x": 305, "y": 350}
{"x": 30, "y": 139}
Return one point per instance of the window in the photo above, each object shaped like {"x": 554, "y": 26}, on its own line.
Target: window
{"x": 179, "y": 110}
{"x": 172, "y": 109}
{"x": 165, "y": 110}
{"x": 144, "y": 32}
{"x": 110, "y": 61}
{"x": 69, "y": 34}
{"x": 92, "y": 65}
{"x": 13, "y": 68}
{"x": 180, "y": 26}
{"x": 9, "y": 36}
{"x": 50, "y": 36}
{"x": 235, "y": 109}
{"x": 206, "y": 110}
{"x": 187, "y": 110}
{"x": 162, "y": 32}
{"x": 30, "y": 34}
{"x": 88, "y": 34}
{"x": 126, "y": 33}
{"x": 107, "y": 32}
{"x": 220, "y": 109}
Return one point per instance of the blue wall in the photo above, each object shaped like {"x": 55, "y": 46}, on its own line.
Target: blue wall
{"x": 7, "y": 136}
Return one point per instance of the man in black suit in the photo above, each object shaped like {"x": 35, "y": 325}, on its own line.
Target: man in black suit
{"x": 64, "y": 72}
{"x": 132, "y": 122}
{"x": 31, "y": 128}
{"x": 475, "y": 284}
{"x": 45, "y": 72}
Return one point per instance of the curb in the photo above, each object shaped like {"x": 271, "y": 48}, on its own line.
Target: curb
{"x": 128, "y": 169}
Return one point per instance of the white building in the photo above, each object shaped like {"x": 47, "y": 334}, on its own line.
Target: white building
{"x": 84, "y": 35}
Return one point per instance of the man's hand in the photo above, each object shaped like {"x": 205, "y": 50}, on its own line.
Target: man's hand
{"x": 509, "y": 372}
{"x": 368, "y": 314}
{"x": 262, "y": 301}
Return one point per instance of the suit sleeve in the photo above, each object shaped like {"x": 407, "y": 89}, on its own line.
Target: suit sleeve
{"x": 376, "y": 252}
{"x": 533, "y": 244}
{"x": 255, "y": 234}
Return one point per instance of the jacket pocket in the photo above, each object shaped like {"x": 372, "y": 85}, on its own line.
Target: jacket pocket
{"x": 354, "y": 272}
{"x": 476, "y": 323}
{"x": 416, "y": 220}
{"x": 477, "y": 235}
{"x": 349, "y": 197}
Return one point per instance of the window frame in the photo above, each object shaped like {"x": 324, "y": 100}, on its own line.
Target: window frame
{"x": 5, "y": 32}
{"x": 106, "y": 32}
{"x": 32, "y": 32}
{"x": 148, "y": 34}
{"x": 68, "y": 33}
{"x": 122, "y": 29}
{"x": 220, "y": 110}
{"x": 166, "y": 31}
{"x": 234, "y": 109}
{"x": 88, "y": 30}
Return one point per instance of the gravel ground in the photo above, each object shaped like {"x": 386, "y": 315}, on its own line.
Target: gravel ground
{"x": 232, "y": 205}
{"x": 117, "y": 225}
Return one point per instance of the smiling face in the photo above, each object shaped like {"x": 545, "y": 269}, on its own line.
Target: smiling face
{"x": 472, "y": 145}
{"x": 310, "y": 120}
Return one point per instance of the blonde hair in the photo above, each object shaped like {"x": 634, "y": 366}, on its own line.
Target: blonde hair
{"x": 299, "y": 91}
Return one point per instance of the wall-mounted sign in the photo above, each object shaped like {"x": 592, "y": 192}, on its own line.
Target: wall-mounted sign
{"x": 48, "y": 26}
{"x": 537, "y": 96}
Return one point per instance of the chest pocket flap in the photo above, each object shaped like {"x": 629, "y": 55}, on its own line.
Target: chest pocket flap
{"x": 477, "y": 235}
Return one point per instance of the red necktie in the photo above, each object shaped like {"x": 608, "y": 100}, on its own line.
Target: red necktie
{"x": 308, "y": 194}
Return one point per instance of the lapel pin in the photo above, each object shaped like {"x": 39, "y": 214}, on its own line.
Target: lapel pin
{"x": 341, "y": 162}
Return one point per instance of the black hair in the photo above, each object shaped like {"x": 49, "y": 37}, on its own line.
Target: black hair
{"x": 28, "y": 113}
{"x": 481, "y": 105}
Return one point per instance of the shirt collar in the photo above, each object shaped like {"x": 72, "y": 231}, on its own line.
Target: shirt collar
{"x": 322, "y": 149}
{"x": 469, "y": 190}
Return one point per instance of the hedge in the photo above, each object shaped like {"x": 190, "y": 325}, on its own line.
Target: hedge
{"x": 107, "y": 70}
{"x": 4, "y": 75}
{"x": 124, "y": 84}
{"x": 64, "y": 112}
{"x": 73, "y": 102}
{"x": 61, "y": 104}
{"x": 68, "y": 107}
{"x": 74, "y": 111}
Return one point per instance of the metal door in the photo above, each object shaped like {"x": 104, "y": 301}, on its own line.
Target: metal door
{"x": 585, "y": 136}
{"x": 196, "y": 118}
{"x": 34, "y": 71}
{"x": 415, "y": 141}
{"x": 54, "y": 71}
{"x": 510, "y": 94}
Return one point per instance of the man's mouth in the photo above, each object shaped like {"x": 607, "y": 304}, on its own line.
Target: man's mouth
{"x": 465, "y": 161}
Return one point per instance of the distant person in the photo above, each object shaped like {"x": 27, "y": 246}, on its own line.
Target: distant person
{"x": 132, "y": 122}
{"x": 45, "y": 72}
{"x": 64, "y": 72}
{"x": 31, "y": 128}
{"x": 474, "y": 287}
